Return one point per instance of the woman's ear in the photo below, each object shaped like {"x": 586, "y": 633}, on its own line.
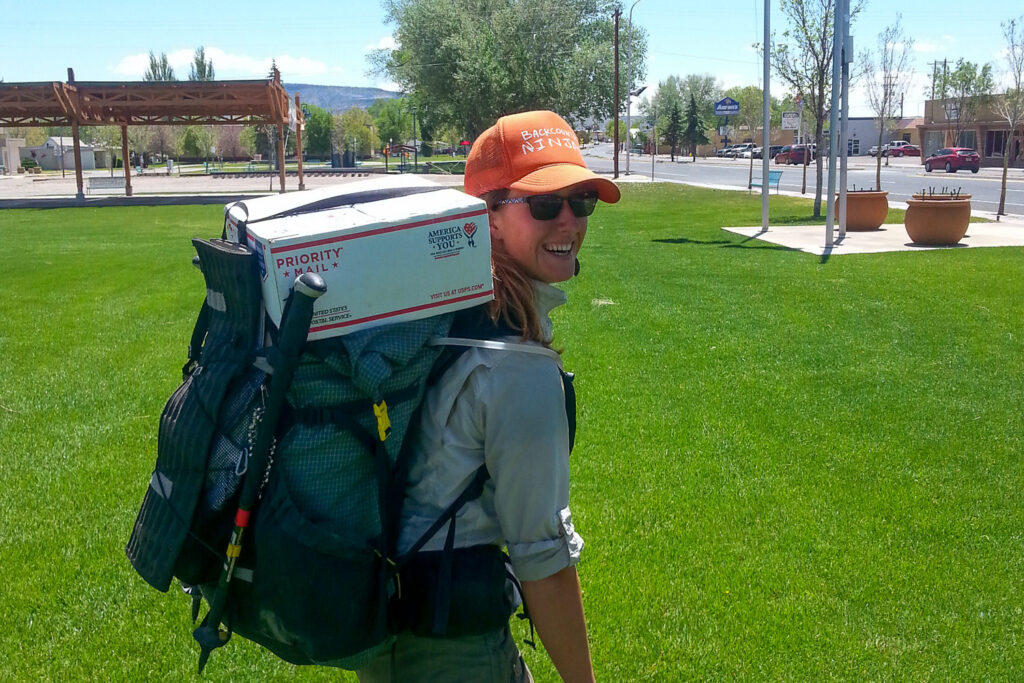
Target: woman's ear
{"x": 494, "y": 220}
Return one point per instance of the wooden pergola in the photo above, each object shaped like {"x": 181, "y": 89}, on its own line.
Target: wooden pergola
{"x": 159, "y": 103}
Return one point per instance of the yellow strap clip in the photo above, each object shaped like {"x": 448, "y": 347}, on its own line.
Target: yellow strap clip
{"x": 234, "y": 550}
{"x": 383, "y": 421}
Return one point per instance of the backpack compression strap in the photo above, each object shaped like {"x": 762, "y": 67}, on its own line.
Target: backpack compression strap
{"x": 442, "y": 597}
{"x": 498, "y": 346}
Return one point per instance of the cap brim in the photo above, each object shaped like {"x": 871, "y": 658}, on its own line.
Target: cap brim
{"x": 560, "y": 176}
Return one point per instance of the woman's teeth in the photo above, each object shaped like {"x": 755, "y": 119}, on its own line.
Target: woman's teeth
{"x": 559, "y": 248}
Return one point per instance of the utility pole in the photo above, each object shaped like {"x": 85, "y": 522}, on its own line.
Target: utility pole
{"x": 615, "y": 104}
{"x": 630, "y": 92}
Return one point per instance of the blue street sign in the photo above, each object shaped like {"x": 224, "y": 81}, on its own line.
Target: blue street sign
{"x": 727, "y": 106}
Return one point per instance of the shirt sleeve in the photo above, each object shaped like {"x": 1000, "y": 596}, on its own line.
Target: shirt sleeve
{"x": 526, "y": 447}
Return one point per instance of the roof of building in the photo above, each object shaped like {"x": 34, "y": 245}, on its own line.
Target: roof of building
{"x": 65, "y": 142}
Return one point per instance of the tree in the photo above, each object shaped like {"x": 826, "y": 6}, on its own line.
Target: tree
{"x": 751, "y": 115}
{"x": 202, "y": 68}
{"x": 696, "y": 130}
{"x": 674, "y": 90}
{"x": 964, "y": 90}
{"x": 1011, "y": 106}
{"x": 467, "y": 62}
{"x": 196, "y": 141}
{"x": 803, "y": 59}
{"x": 247, "y": 140}
{"x": 109, "y": 138}
{"x": 887, "y": 83}
{"x": 318, "y": 130}
{"x": 705, "y": 90}
{"x": 159, "y": 69}
{"x": 674, "y": 129}
{"x": 392, "y": 119}
{"x": 609, "y": 130}
{"x": 353, "y": 130}
{"x": 139, "y": 140}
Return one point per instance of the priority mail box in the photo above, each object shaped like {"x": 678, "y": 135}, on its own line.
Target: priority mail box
{"x": 388, "y": 252}
{"x": 238, "y": 215}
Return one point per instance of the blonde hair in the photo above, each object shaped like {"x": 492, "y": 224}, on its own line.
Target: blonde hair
{"x": 513, "y": 302}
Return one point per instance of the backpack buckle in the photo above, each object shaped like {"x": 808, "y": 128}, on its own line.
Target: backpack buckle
{"x": 380, "y": 410}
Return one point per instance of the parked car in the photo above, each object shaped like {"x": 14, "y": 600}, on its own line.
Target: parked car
{"x": 892, "y": 147}
{"x": 952, "y": 159}
{"x": 737, "y": 150}
{"x": 801, "y": 154}
{"x": 907, "y": 150}
{"x": 751, "y": 152}
{"x": 873, "y": 151}
{"x": 782, "y": 156}
{"x": 773, "y": 150}
{"x": 725, "y": 151}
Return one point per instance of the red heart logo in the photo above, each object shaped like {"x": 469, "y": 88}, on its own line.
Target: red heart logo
{"x": 469, "y": 229}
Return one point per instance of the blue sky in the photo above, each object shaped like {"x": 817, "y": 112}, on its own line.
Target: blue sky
{"x": 324, "y": 42}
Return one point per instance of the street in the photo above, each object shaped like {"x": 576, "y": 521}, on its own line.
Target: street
{"x": 903, "y": 176}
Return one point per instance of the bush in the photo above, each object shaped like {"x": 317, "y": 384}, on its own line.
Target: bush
{"x": 29, "y": 163}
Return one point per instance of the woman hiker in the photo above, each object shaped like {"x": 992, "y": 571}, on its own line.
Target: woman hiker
{"x": 506, "y": 410}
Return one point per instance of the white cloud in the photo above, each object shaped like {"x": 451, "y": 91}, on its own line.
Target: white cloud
{"x": 132, "y": 65}
{"x": 385, "y": 43}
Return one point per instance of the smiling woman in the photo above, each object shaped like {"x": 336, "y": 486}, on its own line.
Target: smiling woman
{"x": 511, "y": 412}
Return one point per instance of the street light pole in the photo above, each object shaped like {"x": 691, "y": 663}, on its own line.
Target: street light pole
{"x": 629, "y": 82}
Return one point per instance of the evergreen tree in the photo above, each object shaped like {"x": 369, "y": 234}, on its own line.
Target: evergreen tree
{"x": 674, "y": 129}
{"x": 159, "y": 69}
{"x": 694, "y": 134}
{"x": 202, "y": 68}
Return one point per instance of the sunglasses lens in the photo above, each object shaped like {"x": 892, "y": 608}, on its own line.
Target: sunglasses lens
{"x": 583, "y": 204}
{"x": 544, "y": 207}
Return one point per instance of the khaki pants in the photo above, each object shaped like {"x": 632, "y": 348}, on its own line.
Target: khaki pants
{"x": 488, "y": 658}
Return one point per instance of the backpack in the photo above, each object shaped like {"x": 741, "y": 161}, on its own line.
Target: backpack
{"x": 318, "y": 580}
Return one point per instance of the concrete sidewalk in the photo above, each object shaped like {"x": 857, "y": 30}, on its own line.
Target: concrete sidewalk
{"x": 891, "y": 237}
{"x": 162, "y": 189}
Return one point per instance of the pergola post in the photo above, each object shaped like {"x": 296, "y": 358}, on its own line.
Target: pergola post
{"x": 300, "y": 120}
{"x": 73, "y": 115}
{"x": 124, "y": 161}
{"x": 78, "y": 160}
{"x": 280, "y": 153}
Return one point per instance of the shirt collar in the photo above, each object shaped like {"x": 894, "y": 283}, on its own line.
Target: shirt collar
{"x": 547, "y": 298}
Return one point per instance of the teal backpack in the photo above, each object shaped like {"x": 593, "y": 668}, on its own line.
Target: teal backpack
{"x": 280, "y": 473}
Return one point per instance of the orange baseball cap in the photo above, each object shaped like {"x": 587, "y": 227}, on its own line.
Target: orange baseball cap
{"x": 534, "y": 152}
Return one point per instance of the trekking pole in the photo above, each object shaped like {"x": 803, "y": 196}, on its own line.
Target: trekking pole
{"x": 298, "y": 312}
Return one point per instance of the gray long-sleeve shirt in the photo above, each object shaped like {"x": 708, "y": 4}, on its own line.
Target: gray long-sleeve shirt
{"x": 504, "y": 408}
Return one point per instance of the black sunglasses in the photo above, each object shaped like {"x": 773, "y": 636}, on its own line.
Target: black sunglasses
{"x": 544, "y": 207}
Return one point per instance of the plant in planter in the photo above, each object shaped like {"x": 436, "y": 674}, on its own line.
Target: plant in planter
{"x": 938, "y": 218}
{"x": 865, "y": 209}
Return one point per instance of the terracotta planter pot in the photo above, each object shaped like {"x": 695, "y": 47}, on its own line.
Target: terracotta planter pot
{"x": 937, "y": 221}
{"x": 865, "y": 210}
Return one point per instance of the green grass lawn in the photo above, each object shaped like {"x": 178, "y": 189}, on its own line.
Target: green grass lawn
{"x": 785, "y": 469}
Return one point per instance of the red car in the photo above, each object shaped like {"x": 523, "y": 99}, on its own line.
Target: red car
{"x": 952, "y": 159}
{"x": 783, "y": 156}
{"x": 906, "y": 150}
{"x": 797, "y": 154}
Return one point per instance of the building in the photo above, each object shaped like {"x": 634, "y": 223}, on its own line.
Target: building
{"x": 58, "y": 153}
{"x": 986, "y": 132}
{"x": 10, "y": 159}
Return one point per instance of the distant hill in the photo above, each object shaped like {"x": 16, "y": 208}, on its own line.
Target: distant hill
{"x": 338, "y": 98}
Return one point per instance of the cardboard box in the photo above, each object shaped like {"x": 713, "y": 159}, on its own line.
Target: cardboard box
{"x": 413, "y": 250}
